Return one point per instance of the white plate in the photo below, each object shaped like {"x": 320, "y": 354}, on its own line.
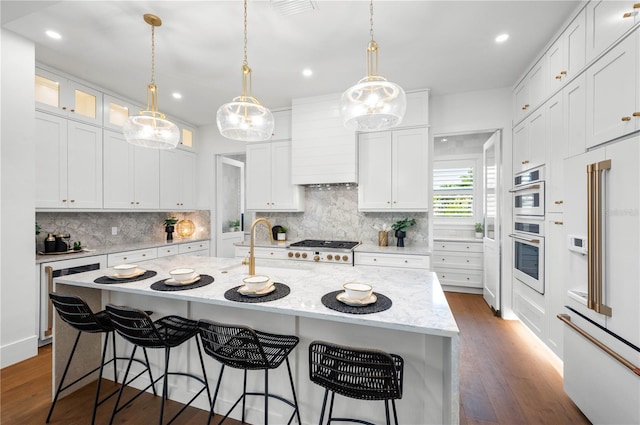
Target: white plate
{"x": 173, "y": 282}
{"x": 342, "y": 297}
{"x": 264, "y": 291}
{"x": 127, "y": 275}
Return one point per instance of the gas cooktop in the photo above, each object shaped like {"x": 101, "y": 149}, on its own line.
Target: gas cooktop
{"x": 322, "y": 244}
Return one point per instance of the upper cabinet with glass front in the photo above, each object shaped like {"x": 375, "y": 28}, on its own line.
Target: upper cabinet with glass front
{"x": 117, "y": 111}
{"x": 67, "y": 98}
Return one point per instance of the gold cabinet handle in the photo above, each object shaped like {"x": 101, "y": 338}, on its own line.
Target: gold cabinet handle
{"x": 526, "y": 106}
{"x": 64, "y": 200}
{"x": 526, "y": 161}
{"x": 558, "y": 222}
{"x": 626, "y": 118}
{"x": 73, "y": 200}
{"x": 636, "y": 114}
{"x": 563, "y": 72}
{"x": 558, "y": 77}
{"x": 559, "y": 202}
{"x": 49, "y": 271}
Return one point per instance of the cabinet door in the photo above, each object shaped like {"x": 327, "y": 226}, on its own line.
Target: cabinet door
{"x": 537, "y": 83}
{"x": 285, "y": 196}
{"x": 611, "y": 93}
{"x": 575, "y": 47}
{"x": 118, "y": 172}
{"x": 557, "y": 150}
{"x": 84, "y": 165}
{"x": 521, "y": 100}
{"x": 520, "y": 147}
{"x": 169, "y": 180}
{"x": 606, "y": 23}
{"x": 555, "y": 261}
{"x": 187, "y": 188}
{"x": 374, "y": 171}
{"x": 51, "y": 161}
{"x": 258, "y": 176}
{"x": 555, "y": 65}
{"x": 83, "y": 103}
{"x": 117, "y": 111}
{"x": 410, "y": 171}
{"x": 146, "y": 177}
{"x": 537, "y": 134}
{"x": 574, "y": 96}
{"x": 282, "y": 129}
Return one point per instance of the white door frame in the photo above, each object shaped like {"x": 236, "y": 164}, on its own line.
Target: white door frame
{"x": 492, "y": 276}
{"x": 225, "y": 238}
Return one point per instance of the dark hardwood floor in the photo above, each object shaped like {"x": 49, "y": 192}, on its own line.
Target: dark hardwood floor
{"x": 506, "y": 377}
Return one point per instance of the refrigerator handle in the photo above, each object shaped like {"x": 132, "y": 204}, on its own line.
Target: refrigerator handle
{"x": 595, "y": 259}
{"x": 567, "y": 320}
{"x": 49, "y": 271}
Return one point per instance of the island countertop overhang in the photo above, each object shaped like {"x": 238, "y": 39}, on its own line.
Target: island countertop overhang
{"x": 419, "y": 304}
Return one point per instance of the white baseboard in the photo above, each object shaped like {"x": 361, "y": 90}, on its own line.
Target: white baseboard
{"x": 18, "y": 351}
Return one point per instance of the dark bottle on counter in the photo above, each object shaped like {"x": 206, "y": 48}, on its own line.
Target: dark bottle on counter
{"x": 61, "y": 244}
{"x": 50, "y": 243}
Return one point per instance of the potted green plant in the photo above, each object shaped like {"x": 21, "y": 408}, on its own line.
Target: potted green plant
{"x": 479, "y": 230}
{"x": 282, "y": 233}
{"x": 400, "y": 227}
{"x": 169, "y": 227}
{"x": 234, "y": 225}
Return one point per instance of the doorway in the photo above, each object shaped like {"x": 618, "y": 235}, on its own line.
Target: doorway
{"x": 229, "y": 205}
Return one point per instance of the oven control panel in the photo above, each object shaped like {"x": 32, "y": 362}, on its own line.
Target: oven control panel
{"x": 322, "y": 256}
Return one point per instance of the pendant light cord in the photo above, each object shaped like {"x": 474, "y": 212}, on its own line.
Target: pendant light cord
{"x": 245, "y": 33}
{"x": 371, "y": 19}
{"x": 153, "y": 54}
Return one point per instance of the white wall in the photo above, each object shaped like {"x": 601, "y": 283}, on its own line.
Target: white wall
{"x": 475, "y": 112}
{"x": 18, "y": 288}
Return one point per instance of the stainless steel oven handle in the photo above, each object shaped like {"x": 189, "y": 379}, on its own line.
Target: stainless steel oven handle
{"x": 514, "y": 236}
{"x": 527, "y": 187}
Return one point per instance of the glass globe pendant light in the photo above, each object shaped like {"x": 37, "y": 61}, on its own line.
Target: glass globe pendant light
{"x": 374, "y": 103}
{"x": 150, "y": 128}
{"x": 244, "y": 118}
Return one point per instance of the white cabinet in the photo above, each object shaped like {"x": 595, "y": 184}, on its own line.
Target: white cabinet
{"x": 131, "y": 257}
{"x": 117, "y": 111}
{"x": 557, "y": 146}
{"x": 417, "y": 113}
{"x": 177, "y": 180}
{"x": 613, "y": 93}
{"x": 458, "y": 264}
{"x": 68, "y": 163}
{"x": 274, "y": 253}
{"x": 282, "y": 128}
{"x": 393, "y": 170}
{"x": 530, "y": 92}
{"x": 529, "y": 141}
{"x": 194, "y": 248}
{"x": 323, "y": 150}
{"x": 67, "y": 98}
{"x": 567, "y": 55}
{"x": 269, "y": 186}
{"x": 521, "y": 102}
{"x": 607, "y": 21}
{"x": 574, "y": 98}
{"x": 403, "y": 261}
{"x": 131, "y": 174}
{"x": 555, "y": 253}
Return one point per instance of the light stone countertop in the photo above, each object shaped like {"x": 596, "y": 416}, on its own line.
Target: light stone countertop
{"x": 407, "y": 250}
{"x": 264, "y": 244}
{"x": 46, "y": 258}
{"x": 419, "y": 304}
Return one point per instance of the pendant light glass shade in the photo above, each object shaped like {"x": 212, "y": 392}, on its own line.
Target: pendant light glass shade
{"x": 374, "y": 103}
{"x": 150, "y": 129}
{"x": 244, "y": 118}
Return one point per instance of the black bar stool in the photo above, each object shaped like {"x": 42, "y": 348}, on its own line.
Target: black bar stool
{"x": 241, "y": 347}
{"x": 170, "y": 331}
{"x": 363, "y": 374}
{"x": 75, "y": 311}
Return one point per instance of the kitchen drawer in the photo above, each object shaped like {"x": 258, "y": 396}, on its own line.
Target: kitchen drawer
{"x": 453, "y": 277}
{"x": 392, "y": 260}
{"x": 455, "y": 260}
{"x": 168, "y": 251}
{"x": 187, "y": 248}
{"x": 262, "y": 252}
{"x": 457, "y": 246}
{"x": 131, "y": 256}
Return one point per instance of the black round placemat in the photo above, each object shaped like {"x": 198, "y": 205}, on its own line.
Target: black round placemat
{"x": 204, "y": 280}
{"x": 107, "y": 280}
{"x": 281, "y": 291}
{"x": 330, "y": 301}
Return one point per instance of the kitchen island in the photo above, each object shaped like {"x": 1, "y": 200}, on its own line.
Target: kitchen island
{"x": 419, "y": 326}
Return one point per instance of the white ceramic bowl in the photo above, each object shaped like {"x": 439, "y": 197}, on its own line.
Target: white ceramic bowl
{"x": 125, "y": 268}
{"x": 257, "y": 282}
{"x": 357, "y": 290}
{"x": 183, "y": 274}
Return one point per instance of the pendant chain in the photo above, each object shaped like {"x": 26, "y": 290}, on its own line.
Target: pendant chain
{"x": 153, "y": 54}
{"x": 245, "y": 33}
{"x": 371, "y": 19}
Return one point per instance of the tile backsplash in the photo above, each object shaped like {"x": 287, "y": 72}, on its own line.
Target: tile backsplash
{"x": 94, "y": 228}
{"x": 332, "y": 213}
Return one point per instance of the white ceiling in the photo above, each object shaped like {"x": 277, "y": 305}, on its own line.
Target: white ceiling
{"x": 447, "y": 46}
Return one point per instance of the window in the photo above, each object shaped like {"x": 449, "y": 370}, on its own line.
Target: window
{"x": 453, "y": 189}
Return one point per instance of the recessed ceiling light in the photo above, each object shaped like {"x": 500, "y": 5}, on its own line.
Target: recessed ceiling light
{"x": 502, "y": 38}
{"x": 177, "y": 95}
{"x": 444, "y": 139}
{"x": 53, "y": 34}
{"x": 307, "y": 72}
